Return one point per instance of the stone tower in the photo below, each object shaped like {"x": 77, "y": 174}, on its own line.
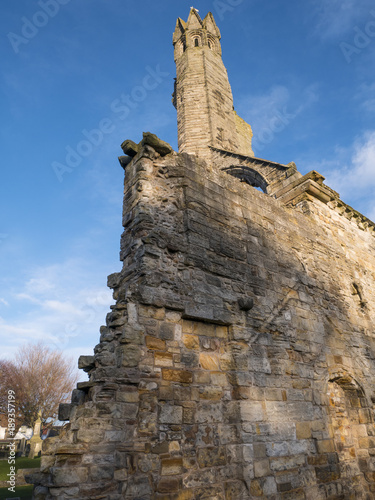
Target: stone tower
{"x": 203, "y": 97}
{"x": 238, "y": 359}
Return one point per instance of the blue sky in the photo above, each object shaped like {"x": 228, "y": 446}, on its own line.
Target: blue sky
{"x": 302, "y": 74}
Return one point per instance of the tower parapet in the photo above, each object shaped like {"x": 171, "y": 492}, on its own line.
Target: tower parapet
{"x": 203, "y": 96}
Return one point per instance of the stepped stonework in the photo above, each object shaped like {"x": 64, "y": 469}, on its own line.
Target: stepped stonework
{"x": 238, "y": 361}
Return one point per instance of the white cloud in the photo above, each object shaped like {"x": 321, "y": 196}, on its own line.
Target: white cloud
{"x": 27, "y": 297}
{"x": 337, "y": 18}
{"x": 5, "y": 302}
{"x": 39, "y": 285}
{"x": 359, "y": 173}
{"x": 62, "y": 304}
{"x": 352, "y": 173}
{"x": 259, "y": 109}
{"x": 366, "y": 97}
{"x": 272, "y": 112}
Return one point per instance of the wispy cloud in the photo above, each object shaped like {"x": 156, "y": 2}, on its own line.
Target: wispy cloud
{"x": 366, "y": 97}
{"x": 66, "y": 308}
{"x": 335, "y": 18}
{"x": 272, "y": 112}
{"x": 351, "y": 172}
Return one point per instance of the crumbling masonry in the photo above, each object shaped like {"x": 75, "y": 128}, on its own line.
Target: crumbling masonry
{"x": 238, "y": 361}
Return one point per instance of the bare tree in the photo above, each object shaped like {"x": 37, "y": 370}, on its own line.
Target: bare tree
{"x": 9, "y": 379}
{"x": 42, "y": 378}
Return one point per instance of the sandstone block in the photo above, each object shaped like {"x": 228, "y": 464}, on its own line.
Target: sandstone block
{"x": 137, "y": 487}
{"x": 131, "y": 355}
{"x": 168, "y": 485}
{"x": 163, "y": 359}
{"x": 256, "y": 488}
{"x": 303, "y": 430}
{"x": 171, "y": 466}
{"x": 155, "y": 343}
{"x": 64, "y": 411}
{"x": 130, "y": 148}
{"x": 120, "y": 474}
{"x": 285, "y": 463}
{"x": 129, "y": 395}
{"x": 191, "y": 341}
{"x": 171, "y": 414}
{"x": 68, "y": 476}
{"x": 101, "y": 472}
{"x": 211, "y": 457}
{"x": 326, "y": 446}
{"x": 209, "y": 413}
{"x": 181, "y": 376}
{"x": 251, "y": 411}
{"x": 211, "y": 393}
{"x": 86, "y": 363}
{"x": 209, "y": 361}
{"x": 161, "y": 147}
{"x": 277, "y": 449}
{"x": 132, "y": 335}
{"x": 201, "y": 377}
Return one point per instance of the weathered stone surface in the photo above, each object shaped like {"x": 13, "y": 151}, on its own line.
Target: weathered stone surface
{"x": 238, "y": 360}
{"x": 64, "y": 411}
{"x": 182, "y": 376}
{"x": 160, "y": 146}
{"x": 131, "y": 354}
{"x": 86, "y": 363}
{"x": 155, "y": 343}
{"x": 245, "y": 303}
{"x": 211, "y": 457}
{"x": 171, "y": 466}
{"x": 171, "y": 414}
{"x": 69, "y": 476}
{"x": 124, "y": 161}
{"x": 130, "y": 148}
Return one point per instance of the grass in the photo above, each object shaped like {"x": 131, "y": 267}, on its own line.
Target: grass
{"x": 21, "y": 463}
{"x": 22, "y": 492}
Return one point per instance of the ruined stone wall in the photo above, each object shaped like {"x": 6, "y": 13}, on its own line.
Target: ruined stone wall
{"x": 238, "y": 361}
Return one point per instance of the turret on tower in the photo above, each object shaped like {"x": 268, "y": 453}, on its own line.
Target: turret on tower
{"x": 203, "y": 96}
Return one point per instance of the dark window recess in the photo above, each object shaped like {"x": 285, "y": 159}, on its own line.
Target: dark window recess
{"x": 357, "y": 291}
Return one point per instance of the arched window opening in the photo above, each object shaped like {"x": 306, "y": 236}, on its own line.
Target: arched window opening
{"x": 196, "y": 42}
{"x": 249, "y": 176}
{"x": 181, "y": 47}
{"x": 351, "y": 425}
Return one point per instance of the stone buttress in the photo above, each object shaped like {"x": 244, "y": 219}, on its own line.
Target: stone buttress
{"x": 238, "y": 361}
